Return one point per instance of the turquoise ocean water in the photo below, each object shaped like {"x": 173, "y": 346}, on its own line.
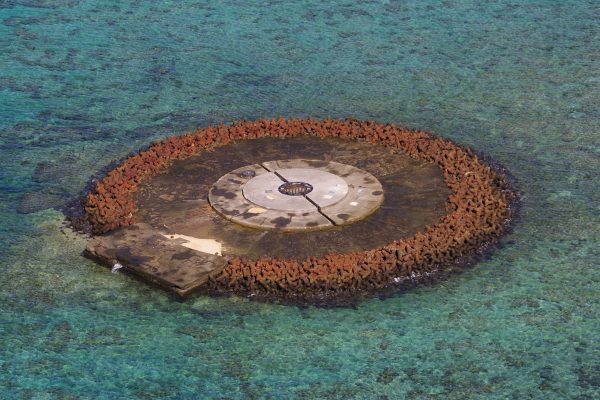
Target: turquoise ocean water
{"x": 83, "y": 83}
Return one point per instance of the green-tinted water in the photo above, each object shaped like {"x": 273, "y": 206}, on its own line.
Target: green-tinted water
{"x": 84, "y": 83}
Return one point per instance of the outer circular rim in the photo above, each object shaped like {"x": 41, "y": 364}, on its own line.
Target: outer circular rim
{"x": 479, "y": 209}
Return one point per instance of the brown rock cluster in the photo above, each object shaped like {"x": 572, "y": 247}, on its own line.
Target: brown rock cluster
{"x": 479, "y": 209}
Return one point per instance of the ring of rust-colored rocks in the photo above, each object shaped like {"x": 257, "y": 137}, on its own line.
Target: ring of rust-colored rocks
{"x": 478, "y": 209}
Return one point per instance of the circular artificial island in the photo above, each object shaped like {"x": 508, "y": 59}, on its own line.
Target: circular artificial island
{"x": 298, "y": 209}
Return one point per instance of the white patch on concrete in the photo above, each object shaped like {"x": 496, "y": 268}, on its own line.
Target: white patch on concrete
{"x": 256, "y": 210}
{"x": 209, "y": 246}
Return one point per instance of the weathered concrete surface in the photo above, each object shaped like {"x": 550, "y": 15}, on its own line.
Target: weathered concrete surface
{"x": 340, "y": 194}
{"x": 228, "y": 198}
{"x": 142, "y": 250}
{"x": 328, "y": 188}
{"x": 479, "y": 205}
{"x": 263, "y": 191}
{"x": 176, "y": 201}
{"x": 362, "y": 196}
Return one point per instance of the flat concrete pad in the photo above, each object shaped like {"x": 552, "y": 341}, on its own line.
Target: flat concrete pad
{"x": 177, "y": 220}
{"x": 176, "y": 201}
{"x": 263, "y": 191}
{"x": 140, "y": 249}
{"x": 337, "y": 194}
{"x": 328, "y": 188}
{"x": 229, "y": 199}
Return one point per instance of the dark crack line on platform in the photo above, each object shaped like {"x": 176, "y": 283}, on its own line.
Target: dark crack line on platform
{"x": 320, "y": 211}
{"x": 280, "y": 177}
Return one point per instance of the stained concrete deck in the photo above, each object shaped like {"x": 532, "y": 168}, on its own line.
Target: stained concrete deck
{"x": 175, "y": 203}
{"x": 339, "y": 194}
{"x": 162, "y": 260}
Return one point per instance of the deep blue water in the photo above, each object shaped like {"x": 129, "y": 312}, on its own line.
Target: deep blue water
{"x": 83, "y": 83}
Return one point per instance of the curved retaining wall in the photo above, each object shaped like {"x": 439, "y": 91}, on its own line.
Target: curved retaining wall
{"x": 478, "y": 209}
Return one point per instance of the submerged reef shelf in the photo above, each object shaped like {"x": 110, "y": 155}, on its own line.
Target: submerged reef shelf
{"x": 478, "y": 209}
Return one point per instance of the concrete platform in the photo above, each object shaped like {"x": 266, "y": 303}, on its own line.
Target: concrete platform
{"x": 336, "y": 194}
{"x": 155, "y": 257}
{"x": 175, "y": 203}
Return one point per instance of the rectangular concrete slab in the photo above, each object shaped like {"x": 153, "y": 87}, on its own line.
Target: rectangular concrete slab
{"x": 155, "y": 258}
